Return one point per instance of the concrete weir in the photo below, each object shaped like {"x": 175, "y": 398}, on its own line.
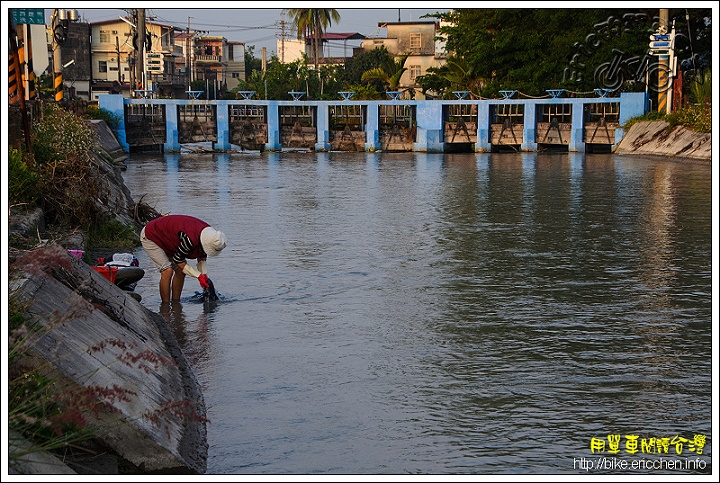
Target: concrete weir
{"x": 576, "y": 124}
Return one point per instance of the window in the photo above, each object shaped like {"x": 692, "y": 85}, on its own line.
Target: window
{"x": 415, "y": 42}
{"x": 414, "y": 71}
{"x": 102, "y": 66}
{"x": 236, "y": 75}
{"x": 105, "y": 37}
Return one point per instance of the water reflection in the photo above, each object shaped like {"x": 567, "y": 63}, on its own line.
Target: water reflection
{"x": 421, "y": 313}
{"x": 191, "y": 335}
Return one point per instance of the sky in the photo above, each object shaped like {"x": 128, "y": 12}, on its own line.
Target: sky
{"x": 261, "y": 26}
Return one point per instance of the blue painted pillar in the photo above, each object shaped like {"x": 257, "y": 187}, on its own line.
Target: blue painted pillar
{"x": 483, "y": 128}
{"x": 429, "y": 136}
{"x": 372, "y": 127}
{"x": 632, "y": 104}
{"x": 529, "y": 142}
{"x": 172, "y": 135}
{"x": 577, "y": 127}
{"x": 223, "y": 126}
{"x": 323, "y": 127}
{"x": 273, "y": 125}
{"x": 115, "y": 105}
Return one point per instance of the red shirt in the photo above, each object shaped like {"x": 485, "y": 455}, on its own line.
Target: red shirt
{"x": 167, "y": 231}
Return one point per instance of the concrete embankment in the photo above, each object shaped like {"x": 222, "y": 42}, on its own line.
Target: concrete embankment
{"x": 656, "y": 138}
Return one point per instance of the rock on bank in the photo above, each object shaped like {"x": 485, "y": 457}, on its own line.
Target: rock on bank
{"x": 93, "y": 338}
{"x": 658, "y": 139}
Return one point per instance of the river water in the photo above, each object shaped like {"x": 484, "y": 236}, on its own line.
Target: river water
{"x": 417, "y": 313}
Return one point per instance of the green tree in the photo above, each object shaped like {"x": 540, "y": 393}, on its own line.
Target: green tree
{"x": 312, "y": 22}
{"x": 456, "y": 74}
{"x": 252, "y": 63}
{"x": 358, "y": 64}
{"x": 531, "y": 50}
{"x": 389, "y": 72}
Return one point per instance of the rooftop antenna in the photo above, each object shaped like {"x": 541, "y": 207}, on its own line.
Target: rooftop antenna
{"x": 398, "y": 14}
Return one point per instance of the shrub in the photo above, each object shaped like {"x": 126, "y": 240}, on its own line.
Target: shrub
{"x": 60, "y": 135}
{"x": 63, "y": 145}
{"x": 112, "y": 234}
{"x": 112, "y": 120}
{"x": 22, "y": 180}
{"x": 696, "y": 118}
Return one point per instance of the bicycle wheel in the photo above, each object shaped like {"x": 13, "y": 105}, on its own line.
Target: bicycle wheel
{"x": 607, "y": 79}
{"x": 660, "y": 77}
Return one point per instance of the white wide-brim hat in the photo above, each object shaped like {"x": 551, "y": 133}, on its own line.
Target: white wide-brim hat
{"x": 213, "y": 241}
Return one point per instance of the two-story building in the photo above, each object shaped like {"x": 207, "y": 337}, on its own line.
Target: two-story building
{"x": 214, "y": 59}
{"x": 337, "y": 47}
{"x": 416, "y": 39}
{"x": 114, "y": 52}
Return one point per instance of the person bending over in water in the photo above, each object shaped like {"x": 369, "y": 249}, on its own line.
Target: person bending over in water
{"x": 172, "y": 240}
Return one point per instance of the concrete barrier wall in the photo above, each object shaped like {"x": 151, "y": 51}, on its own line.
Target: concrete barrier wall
{"x": 429, "y": 119}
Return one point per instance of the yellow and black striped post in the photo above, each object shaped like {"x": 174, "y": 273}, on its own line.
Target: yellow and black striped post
{"x": 58, "y": 83}
{"x": 14, "y": 78}
{"x": 20, "y": 87}
{"x": 23, "y": 68}
{"x": 30, "y": 94}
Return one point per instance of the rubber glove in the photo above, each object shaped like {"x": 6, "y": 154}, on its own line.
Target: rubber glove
{"x": 204, "y": 280}
{"x": 189, "y": 270}
{"x": 202, "y": 266}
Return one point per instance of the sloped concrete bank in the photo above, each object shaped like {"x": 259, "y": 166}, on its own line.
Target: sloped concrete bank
{"x": 95, "y": 339}
{"x": 656, "y": 138}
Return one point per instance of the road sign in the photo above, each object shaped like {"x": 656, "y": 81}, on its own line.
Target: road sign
{"x": 154, "y": 62}
{"x": 660, "y": 44}
{"x": 39, "y": 49}
{"x": 28, "y": 16}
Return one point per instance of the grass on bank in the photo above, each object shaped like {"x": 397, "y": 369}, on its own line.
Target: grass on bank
{"x": 696, "y": 116}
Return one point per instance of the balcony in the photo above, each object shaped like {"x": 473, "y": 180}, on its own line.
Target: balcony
{"x": 208, "y": 58}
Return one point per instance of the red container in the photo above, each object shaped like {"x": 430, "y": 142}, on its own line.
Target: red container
{"x": 108, "y": 272}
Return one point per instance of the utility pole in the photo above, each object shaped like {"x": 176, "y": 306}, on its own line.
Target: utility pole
{"x": 187, "y": 54}
{"x": 282, "y": 23}
{"x": 264, "y": 68}
{"x": 141, "y": 48}
{"x": 60, "y": 21}
{"x": 57, "y": 61}
{"x": 117, "y": 49}
{"x": 664, "y": 98}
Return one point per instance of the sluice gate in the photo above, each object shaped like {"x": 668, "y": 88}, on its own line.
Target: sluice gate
{"x": 347, "y": 123}
{"x": 479, "y": 125}
{"x": 197, "y": 123}
{"x": 554, "y": 125}
{"x": 601, "y": 121}
{"x": 460, "y": 123}
{"x": 298, "y": 126}
{"x": 397, "y": 127}
{"x": 507, "y": 125}
{"x": 145, "y": 127}
{"x": 248, "y": 126}
{"x": 460, "y": 127}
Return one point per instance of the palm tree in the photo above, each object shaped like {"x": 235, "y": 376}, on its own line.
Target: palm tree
{"x": 389, "y": 72}
{"x": 312, "y": 22}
